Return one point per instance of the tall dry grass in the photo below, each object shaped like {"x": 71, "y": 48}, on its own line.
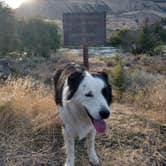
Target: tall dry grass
{"x": 28, "y": 121}
{"x": 147, "y": 92}
{"x": 30, "y": 131}
{"x": 27, "y": 98}
{"x": 154, "y": 101}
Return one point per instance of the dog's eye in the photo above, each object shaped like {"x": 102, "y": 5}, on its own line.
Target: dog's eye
{"x": 89, "y": 94}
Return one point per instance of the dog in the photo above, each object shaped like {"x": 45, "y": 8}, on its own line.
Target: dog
{"x": 83, "y": 100}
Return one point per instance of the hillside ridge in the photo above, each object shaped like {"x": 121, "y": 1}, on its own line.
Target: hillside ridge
{"x": 128, "y": 13}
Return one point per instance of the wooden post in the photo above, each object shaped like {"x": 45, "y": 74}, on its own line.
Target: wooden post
{"x": 85, "y": 56}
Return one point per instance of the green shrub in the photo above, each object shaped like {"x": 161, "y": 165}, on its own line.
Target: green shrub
{"x": 122, "y": 38}
{"x": 118, "y": 79}
{"x": 159, "y": 50}
{"x": 149, "y": 40}
{"x": 38, "y": 37}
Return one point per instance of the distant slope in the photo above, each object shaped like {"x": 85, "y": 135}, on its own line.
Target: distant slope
{"x": 121, "y": 13}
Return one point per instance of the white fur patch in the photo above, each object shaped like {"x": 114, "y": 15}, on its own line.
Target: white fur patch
{"x": 76, "y": 120}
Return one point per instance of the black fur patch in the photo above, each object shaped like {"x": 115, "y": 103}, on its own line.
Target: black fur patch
{"x": 74, "y": 73}
{"x": 107, "y": 93}
{"x": 107, "y": 90}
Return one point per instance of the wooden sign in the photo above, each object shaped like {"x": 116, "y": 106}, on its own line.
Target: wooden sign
{"x": 84, "y": 29}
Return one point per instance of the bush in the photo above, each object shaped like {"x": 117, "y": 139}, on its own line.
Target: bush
{"x": 159, "y": 50}
{"x": 38, "y": 37}
{"x": 118, "y": 79}
{"x": 122, "y": 38}
{"x": 149, "y": 40}
{"x": 146, "y": 91}
{"x": 141, "y": 79}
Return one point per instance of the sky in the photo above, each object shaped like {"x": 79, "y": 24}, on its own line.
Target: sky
{"x": 14, "y": 3}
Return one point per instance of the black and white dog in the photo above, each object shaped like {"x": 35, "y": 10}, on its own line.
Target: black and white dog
{"x": 83, "y": 101}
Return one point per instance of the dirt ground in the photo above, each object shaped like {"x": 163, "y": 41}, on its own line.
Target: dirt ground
{"x": 131, "y": 139}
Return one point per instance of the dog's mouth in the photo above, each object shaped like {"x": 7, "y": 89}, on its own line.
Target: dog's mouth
{"x": 99, "y": 125}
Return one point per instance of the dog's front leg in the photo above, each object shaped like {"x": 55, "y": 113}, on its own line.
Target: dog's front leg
{"x": 93, "y": 158}
{"x": 69, "y": 144}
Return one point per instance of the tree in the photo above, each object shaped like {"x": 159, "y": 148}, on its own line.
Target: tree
{"x": 34, "y": 36}
{"x": 119, "y": 78}
{"x": 123, "y": 38}
{"x": 7, "y": 29}
{"x": 38, "y": 37}
{"x": 150, "y": 38}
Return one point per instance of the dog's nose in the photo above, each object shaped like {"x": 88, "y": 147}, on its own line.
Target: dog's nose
{"x": 104, "y": 113}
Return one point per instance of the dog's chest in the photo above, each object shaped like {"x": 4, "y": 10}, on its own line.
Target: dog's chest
{"x": 75, "y": 120}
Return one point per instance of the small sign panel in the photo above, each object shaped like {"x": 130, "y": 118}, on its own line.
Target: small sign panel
{"x": 84, "y": 29}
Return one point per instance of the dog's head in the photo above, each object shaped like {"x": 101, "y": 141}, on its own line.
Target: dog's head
{"x": 93, "y": 92}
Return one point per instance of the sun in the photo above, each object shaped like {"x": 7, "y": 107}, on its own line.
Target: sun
{"x": 15, "y": 3}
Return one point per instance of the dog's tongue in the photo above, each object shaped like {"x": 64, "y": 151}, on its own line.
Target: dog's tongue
{"x": 99, "y": 125}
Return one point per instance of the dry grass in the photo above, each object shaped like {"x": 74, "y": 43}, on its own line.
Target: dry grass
{"x": 132, "y": 139}
{"x": 148, "y": 93}
{"x": 28, "y": 122}
{"x": 28, "y": 98}
{"x": 154, "y": 102}
{"x": 30, "y": 132}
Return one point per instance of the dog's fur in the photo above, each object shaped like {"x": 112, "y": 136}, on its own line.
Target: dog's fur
{"x": 81, "y": 98}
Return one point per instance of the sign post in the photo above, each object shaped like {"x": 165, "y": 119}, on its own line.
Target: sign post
{"x": 85, "y": 56}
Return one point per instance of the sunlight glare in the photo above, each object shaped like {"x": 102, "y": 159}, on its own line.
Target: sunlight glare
{"x": 15, "y": 3}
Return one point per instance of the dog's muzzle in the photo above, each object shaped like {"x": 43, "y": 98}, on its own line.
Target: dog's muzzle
{"x": 99, "y": 125}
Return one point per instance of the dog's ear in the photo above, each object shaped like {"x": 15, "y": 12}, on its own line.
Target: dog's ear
{"x": 104, "y": 76}
{"x": 56, "y": 77}
{"x": 74, "y": 81}
{"x": 107, "y": 91}
{"x": 57, "y": 87}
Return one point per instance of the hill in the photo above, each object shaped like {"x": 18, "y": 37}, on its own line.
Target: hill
{"x": 121, "y": 14}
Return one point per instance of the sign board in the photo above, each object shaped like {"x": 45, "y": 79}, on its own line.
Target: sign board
{"x": 84, "y": 29}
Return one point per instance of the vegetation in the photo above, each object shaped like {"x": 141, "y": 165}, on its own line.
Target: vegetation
{"x": 33, "y": 36}
{"x": 118, "y": 78}
{"x": 7, "y": 29}
{"x": 30, "y": 130}
{"x": 123, "y": 38}
{"x": 150, "y": 39}
{"x": 38, "y": 37}
{"x": 30, "y": 127}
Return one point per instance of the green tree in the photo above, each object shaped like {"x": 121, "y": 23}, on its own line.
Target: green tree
{"x": 123, "y": 38}
{"x": 150, "y": 38}
{"x": 38, "y": 37}
{"x": 8, "y": 39}
{"x": 119, "y": 78}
